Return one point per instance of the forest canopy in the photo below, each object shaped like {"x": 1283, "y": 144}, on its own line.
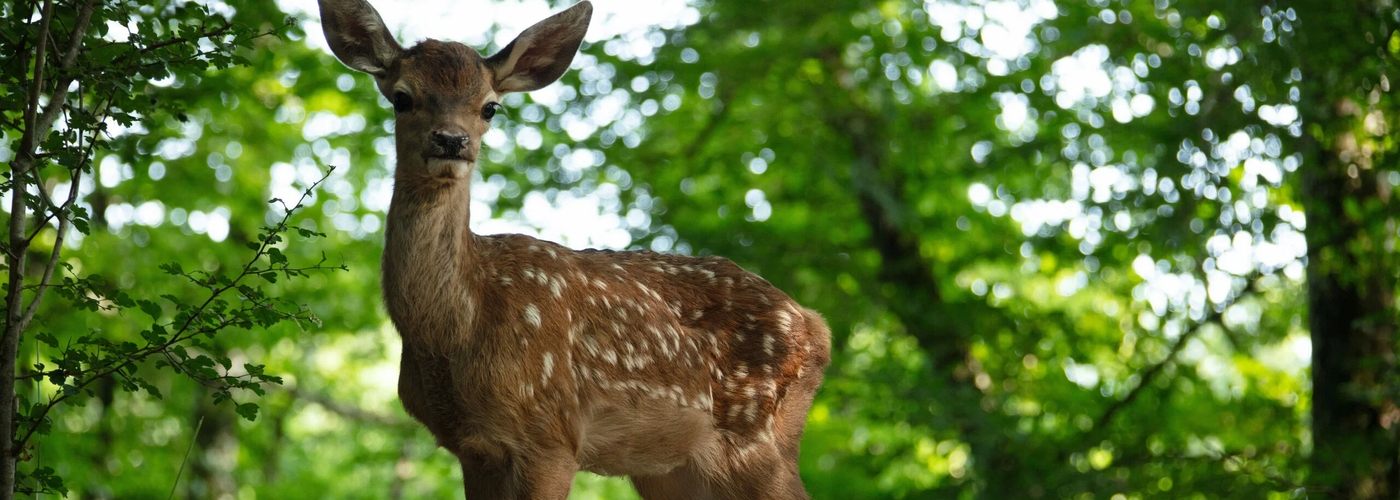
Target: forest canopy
{"x": 1068, "y": 249}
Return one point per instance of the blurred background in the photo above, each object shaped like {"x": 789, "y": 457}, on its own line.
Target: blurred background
{"x": 1092, "y": 249}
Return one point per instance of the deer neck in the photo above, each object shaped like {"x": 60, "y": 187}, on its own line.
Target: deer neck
{"x": 428, "y": 255}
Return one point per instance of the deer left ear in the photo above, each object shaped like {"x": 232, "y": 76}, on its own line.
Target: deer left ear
{"x": 541, "y": 54}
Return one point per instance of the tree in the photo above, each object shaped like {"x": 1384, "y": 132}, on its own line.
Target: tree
{"x": 1349, "y": 53}
{"x": 71, "y": 103}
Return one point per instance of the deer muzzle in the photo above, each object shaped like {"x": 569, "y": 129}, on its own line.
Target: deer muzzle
{"x": 448, "y": 146}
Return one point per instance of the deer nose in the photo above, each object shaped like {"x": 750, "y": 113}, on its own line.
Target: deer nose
{"x": 448, "y": 145}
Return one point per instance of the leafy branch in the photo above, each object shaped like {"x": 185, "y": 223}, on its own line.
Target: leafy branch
{"x": 92, "y": 357}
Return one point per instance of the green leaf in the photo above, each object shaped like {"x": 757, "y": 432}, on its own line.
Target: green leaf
{"x": 47, "y": 338}
{"x": 248, "y": 411}
{"x": 150, "y": 308}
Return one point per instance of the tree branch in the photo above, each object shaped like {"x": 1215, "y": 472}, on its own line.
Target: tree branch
{"x": 1214, "y": 318}
{"x": 60, "y": 92}
{"x": 63, "y": 221}
{"x": 349, "y": 411}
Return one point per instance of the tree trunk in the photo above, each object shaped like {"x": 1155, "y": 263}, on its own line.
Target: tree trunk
{"x": 1351, "y": 272}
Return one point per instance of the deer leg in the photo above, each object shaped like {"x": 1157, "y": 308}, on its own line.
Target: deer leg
{"x": 485, "y": 478}
{"x": 547, "y": 477}
{"x": 682, "y": 483}
{"x": 760, "y": 474}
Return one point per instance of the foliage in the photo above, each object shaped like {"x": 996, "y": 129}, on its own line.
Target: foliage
{"x": 1066, "y": 248}
{"x": 96, "y": 90}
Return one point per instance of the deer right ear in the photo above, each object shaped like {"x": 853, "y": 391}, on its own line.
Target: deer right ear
{"x": 358, "y": 36}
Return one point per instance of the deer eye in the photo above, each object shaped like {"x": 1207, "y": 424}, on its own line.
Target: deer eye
{"x": 490, "y": 110}
{"x": 403, "y": 103}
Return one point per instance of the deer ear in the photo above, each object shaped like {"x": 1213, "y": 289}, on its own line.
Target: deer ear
{"x": 357, "y": 35}
{"x": 541, "y": 54}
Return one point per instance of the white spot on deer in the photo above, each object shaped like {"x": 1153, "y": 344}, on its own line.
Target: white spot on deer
{"x": 785, "y": 321}
{"x": 471, "y": 308}
{"x": 552, "y": 253}
{"x": 768, "y": 344}
{"x": 610, "y": 356}
{"x": 751, "y": 413}
{"x": 729, "y": 282}
{"x": 591, "y": 346}
{"x": 687, "y": 268}
{"x": 556, "y": 288}
{"x": 709, "y": 275}
{"x": 696, "y": 314}
{"x": 619, "y": 267}
{"x": 532, "y": 315}
{"x": 742, "y": 371}
{"x": 600, "y": 284}
{"x": 548, "y": 367}
{"x": 506, "y": 281}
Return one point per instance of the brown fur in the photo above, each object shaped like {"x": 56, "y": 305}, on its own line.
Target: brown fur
{"x": 531, "y": 361}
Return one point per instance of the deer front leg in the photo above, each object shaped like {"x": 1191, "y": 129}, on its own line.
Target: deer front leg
{"x": 488, "y": 475}
{"x": 682, "y": 483}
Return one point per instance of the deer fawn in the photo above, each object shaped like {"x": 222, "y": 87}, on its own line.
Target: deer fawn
{"x": 530, "y": 361}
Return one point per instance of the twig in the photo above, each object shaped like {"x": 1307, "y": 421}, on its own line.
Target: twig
{"x": 1151, "y": 373}
{"x": 1215, "y": 317}
{"x": 348, "y": 411}
{"x": 193, "y": 439}
{"x": 183, "y": 39}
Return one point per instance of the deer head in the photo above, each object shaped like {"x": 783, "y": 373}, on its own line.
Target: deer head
{"x": 445, "y": 93}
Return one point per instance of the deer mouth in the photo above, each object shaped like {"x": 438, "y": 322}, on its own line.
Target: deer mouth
{"x": 455, "y": 168}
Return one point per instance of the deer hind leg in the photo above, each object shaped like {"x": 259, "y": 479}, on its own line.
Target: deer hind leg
{"x": 792, "y": 414}
{"x": 759, "y": 473}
